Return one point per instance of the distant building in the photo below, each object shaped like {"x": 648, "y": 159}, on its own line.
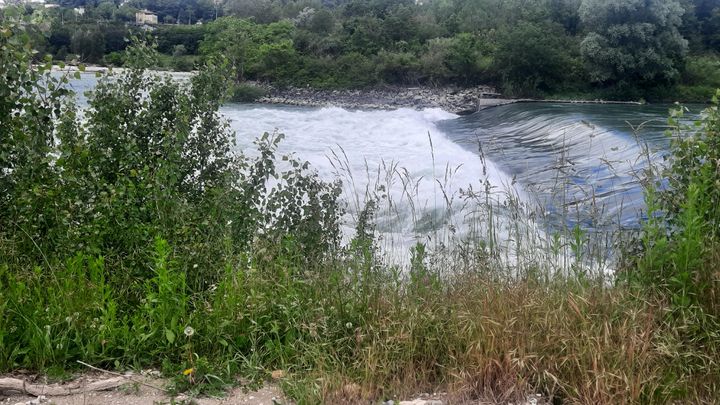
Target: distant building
{"x": 145, "y": 17}
{"x": 79, "y": 11}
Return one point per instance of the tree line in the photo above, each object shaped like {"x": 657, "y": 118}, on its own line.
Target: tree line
{"x": 656, "y": 49}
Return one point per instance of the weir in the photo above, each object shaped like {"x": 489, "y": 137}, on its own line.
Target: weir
{"x": 438, "y": 175}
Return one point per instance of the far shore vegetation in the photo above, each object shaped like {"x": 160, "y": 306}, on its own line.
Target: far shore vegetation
{"x": 653, "y": 50}
{"x": 134, "y": 235}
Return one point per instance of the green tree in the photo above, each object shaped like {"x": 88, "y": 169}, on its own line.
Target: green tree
{"x": 89, "y": 43}
{"x": 433, "y": 60}
{"x": 252, "y": 48}
{"x": 468, "y": 57}
{"x": 126, "y": 13}
{"x": 365, "y": 35}
{"x": 633, "y": 42}
{"x": 106, "y": 10}
{"x": 565, "y": 13}
{"x": 322, "y": 22}
{"x": 397, "y": 67}
{"x": 30, "y": 105}
{"x": 275, "y": 61}
{"x": 262, "y": 11}
{"x": 532, "y": 58}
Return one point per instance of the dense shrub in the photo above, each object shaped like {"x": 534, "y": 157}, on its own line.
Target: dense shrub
{"x": 189, "y": 36}
{"x": 700, "y": 79}
{"x": 246, "y": 93}
{"x": 397, "y": 67}
{"x": 148, "y": 158}
{"x": 680, "y": 236}
{"x": 532, "y": 59}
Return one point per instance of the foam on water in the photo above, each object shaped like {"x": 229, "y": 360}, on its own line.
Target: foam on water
{"x": 564, "y": 160}
{"x": 377, "y": 148}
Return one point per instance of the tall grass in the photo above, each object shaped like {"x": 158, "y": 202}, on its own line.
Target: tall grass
{"x": 143, "y": 241}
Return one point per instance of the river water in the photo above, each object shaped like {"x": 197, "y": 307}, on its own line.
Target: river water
{"x": 564, "y": 164}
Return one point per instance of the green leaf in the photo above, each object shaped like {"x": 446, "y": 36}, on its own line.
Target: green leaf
{"x": 170, "y": 335}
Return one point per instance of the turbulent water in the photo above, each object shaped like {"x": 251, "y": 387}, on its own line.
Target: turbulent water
{"x": 572, "y": 163}
{"x": 582, "y": 162}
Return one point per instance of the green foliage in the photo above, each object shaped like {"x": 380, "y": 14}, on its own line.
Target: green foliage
{"x": 263, "y": 11}
{"x": 467, "y": 57}
{"x": 189, "y": 36}
{"x": 105, "y": 10}
{"x": 183, "y": 11}
{"x": 532, "y": 59}
{"x": 680, "y": 237}
{"x": 144, "y": 192}
{"x": 632, "y": 42}
{"x": 678, "y": 258}
{"x": 88, "y": 44}
{"x": 254, "y": 51}
{"x": 700, "y": 79}
{"x": 396, "y": 67}
{"x": 113, "y": 59}
{"x": 630, "y": 50}
{"x": 247, "y": 93}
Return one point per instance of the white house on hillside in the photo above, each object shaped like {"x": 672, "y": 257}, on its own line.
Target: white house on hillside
{"x": 145, "y": 17}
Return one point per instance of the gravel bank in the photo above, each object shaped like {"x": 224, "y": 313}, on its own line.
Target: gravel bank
{"x": 455, "y": 100}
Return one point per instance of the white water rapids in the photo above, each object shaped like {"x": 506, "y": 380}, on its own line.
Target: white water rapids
{"x": 493, "y": 177}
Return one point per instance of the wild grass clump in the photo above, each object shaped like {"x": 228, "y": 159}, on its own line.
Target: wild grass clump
{"x": 134, "y": 236}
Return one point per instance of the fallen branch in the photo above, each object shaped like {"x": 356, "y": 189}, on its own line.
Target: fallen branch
{"x": 122, "y": 376}
{"x": 15, "y": 384}
{"x": 55, "y": 390}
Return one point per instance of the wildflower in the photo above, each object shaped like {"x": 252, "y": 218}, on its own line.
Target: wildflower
{"x": 189, "y": 331}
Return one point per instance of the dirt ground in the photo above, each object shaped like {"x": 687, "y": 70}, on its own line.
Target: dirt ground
{"x": 149, "y": 389}
{"x": 134, "y": 393}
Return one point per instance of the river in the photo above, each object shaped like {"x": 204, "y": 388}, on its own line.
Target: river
{"x": 556, "y": 165}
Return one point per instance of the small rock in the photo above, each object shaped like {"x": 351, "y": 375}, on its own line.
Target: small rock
{"x": 36, "y": 401}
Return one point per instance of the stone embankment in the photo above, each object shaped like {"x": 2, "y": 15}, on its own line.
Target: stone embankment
{"x": 456, "y": 100}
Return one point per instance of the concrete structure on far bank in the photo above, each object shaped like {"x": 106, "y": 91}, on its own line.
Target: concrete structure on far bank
{"x": 145, "y": 17}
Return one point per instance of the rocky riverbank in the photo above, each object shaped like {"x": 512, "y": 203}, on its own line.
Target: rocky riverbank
{"x": 456, "y": 100}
